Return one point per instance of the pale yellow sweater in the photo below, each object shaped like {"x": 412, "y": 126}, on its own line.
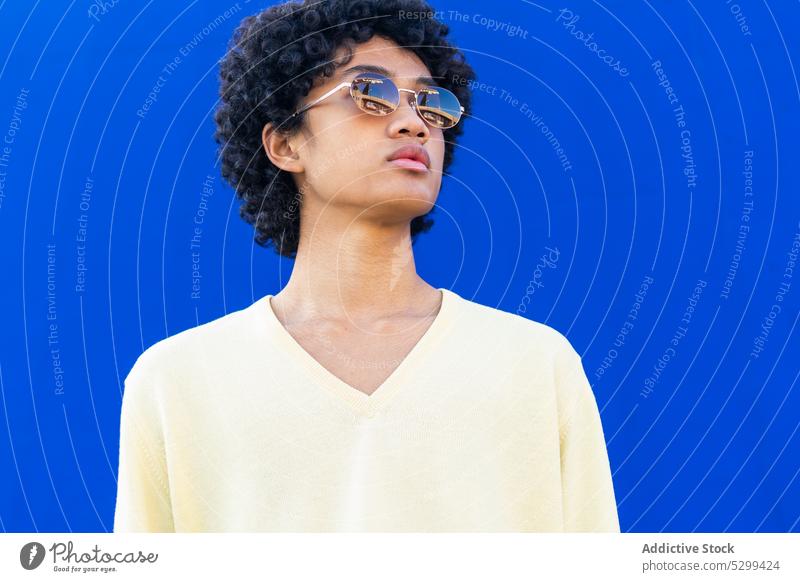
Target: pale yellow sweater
{"x": 489, "y": 424}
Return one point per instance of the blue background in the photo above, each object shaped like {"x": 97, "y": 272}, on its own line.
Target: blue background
{"x": 709, "y": 446}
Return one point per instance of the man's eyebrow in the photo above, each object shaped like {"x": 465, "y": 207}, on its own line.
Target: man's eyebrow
{"x": 424, "y": 80}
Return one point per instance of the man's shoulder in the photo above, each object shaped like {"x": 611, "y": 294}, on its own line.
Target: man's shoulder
{"x": 515, "y": 341}
{"x": 494, "y": 324}
{"x": 193, "y": 346}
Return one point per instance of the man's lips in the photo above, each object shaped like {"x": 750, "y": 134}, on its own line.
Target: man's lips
{"x": 412, "y": 157}
{"x": 409, "y": 164}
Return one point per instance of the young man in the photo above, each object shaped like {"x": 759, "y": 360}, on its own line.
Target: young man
{"x": 359, "y": 397}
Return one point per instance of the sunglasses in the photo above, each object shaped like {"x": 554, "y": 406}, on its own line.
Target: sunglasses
{"x": 378, "y": 95}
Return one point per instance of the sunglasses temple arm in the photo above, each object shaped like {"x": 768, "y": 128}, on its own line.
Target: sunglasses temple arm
{"x": 328, "y": 94}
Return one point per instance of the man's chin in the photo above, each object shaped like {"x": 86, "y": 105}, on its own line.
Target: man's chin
{"x": 398, "y": 209}
{"x": 408, "y": 205}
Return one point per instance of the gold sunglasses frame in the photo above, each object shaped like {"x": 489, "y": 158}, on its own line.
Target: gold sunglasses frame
{"x": 351, "y": 84}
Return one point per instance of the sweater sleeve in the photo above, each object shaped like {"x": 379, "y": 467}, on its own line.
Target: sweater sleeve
{"x": 589, "y": 503}
{"x": 143, "y": 499}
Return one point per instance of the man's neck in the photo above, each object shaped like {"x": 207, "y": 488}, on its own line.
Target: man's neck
{"x": 364, "y": 272}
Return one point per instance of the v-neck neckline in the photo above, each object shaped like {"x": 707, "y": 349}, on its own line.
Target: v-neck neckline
{"x": 361, "y": 402}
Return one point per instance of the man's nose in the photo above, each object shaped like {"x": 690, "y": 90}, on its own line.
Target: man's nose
{"x": 406, "y": 119}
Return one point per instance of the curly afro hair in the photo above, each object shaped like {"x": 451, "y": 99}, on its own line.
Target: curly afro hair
{"x": 273, "y": 61}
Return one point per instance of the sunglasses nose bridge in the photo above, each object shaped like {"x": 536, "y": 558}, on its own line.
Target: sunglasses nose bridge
{"x": 412, "y": 96}
{"x": 412, "y": 101}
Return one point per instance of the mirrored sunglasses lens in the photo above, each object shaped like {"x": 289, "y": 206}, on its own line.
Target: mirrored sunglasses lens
{"x": 375, "y": 94}
{"x": 439, "y": 107}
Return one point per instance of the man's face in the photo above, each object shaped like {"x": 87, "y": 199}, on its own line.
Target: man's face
{"x": 345, "y": 151}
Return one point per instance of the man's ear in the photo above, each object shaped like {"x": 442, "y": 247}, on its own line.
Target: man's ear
{"x": 280, "y": 150}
